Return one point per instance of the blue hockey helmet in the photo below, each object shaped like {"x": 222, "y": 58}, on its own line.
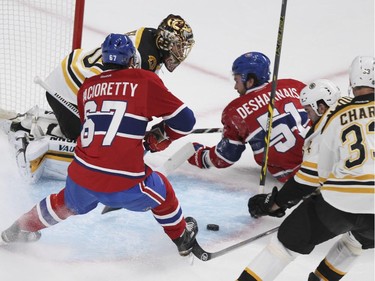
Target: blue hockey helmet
{"x": 117, "y": 49}
{"x": 252, "y": 63}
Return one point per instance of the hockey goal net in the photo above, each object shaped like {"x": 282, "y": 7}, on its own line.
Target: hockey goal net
{"x": 35, "y": 36}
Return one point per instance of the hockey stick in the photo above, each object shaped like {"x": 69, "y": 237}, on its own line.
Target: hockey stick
{"x": 68, "y": 105}
{"x": 271, "y": 104}
{"x": 172, "y": 163}
{"x": 206, "y": 256}
{"x": 207, "y": 130}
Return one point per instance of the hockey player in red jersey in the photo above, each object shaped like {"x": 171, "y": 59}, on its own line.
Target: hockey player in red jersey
{"x": 45, "y": 141}
{"x": 108, "y": 167}
{"x": 245, "y": 121}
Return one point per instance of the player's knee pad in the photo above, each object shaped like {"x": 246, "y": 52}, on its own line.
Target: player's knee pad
{"x": 346, "y": 247}
{"x": 352, "y": 243}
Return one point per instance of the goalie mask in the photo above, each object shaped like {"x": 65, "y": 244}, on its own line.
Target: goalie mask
{"x": 175, "y": 39}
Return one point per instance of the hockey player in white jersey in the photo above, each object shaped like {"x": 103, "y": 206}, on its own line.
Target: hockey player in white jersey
{"x": 44, "y": 141}
{"x": 339, "y": 160}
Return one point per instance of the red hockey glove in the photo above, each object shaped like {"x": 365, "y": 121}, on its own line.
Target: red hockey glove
{"x": 156, "y": 139}
{"x": 261, "y": 205}
{"x": 200, "y": 156}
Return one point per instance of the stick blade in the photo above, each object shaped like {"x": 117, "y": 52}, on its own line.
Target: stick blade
{"x": 200, "y": 253}
{"x": 177, "y": 159}
{"x": 108, "y": 209}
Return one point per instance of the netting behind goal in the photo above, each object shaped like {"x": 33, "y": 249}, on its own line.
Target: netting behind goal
{"x": 35, "y": 36}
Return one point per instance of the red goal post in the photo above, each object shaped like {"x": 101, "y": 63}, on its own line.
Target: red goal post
{"x": 35, "y": 36}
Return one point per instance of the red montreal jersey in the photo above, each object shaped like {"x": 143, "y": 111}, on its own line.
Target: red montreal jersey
{"x": 115, "y": 108}
{"x": 245, "y": 120}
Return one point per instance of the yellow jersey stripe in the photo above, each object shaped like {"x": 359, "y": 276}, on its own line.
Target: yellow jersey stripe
{"x": 353, "y": 189}
{"x": 68, "y": 81}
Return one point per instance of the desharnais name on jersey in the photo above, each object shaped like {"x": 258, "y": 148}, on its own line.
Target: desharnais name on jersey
{"x": 245, "y": 120}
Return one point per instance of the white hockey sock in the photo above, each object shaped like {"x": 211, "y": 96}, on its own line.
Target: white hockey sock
{"x": 340, "y": 258}
{"x": 270, "y": 261}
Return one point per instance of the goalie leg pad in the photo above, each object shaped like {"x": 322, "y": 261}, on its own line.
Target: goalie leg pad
{"x": 60, "y": 155}
{"x": 31, "y": 159}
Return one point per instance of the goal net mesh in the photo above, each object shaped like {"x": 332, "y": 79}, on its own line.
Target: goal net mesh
{"x": 35, "y": 36}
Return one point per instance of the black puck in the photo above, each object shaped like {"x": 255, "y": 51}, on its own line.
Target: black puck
{"x": 213, "y": 227}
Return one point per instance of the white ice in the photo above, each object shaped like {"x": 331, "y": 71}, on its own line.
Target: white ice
{"x": 320, "y": 40}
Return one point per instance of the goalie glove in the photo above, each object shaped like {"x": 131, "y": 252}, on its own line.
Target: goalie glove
{"x": 201, "y": 156}
{"x": 156, "y": 139}
{"x": 261, "y": 205}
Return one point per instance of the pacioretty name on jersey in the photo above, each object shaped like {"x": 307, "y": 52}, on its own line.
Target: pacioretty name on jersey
{"x": 109, "y": 89}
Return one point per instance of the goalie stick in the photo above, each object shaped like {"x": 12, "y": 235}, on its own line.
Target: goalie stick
{"x": 10, "y": 115}
{"x": 203, "y": 255}
{"x": 70, "y": 106}
{"x": 173, "y": 162}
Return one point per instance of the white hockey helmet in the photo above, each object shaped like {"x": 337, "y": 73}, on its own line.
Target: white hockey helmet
{"x": 361, "y": 72}
{"x": 320, "y": 89}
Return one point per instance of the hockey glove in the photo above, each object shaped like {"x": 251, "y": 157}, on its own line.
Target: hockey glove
{"x": 156, "y": 139}
{"x": 261, "y": 205}
{"x": 199, "y": 158}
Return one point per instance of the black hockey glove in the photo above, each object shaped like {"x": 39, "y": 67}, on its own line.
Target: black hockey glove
{"x": 261, "y": 205}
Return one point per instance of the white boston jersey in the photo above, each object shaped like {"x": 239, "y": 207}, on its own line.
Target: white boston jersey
{"x": 346, "y": 156}
{"x": 308, "y": 172}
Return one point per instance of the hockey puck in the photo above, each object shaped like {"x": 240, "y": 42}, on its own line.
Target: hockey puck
{"x": 213, "y": 227}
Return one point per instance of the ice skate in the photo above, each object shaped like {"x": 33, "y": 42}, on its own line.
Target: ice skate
{"x": 15, "y": 235}
{"x": 186, "y": 241}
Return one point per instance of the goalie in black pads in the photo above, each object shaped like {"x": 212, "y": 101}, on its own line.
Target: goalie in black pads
{"x": 45, "y": 141}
